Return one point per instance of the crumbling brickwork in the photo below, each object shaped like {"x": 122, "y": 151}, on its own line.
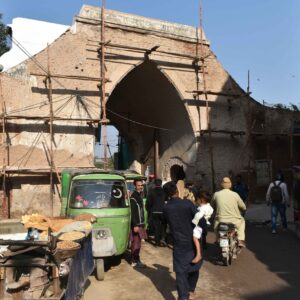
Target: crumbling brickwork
{"x": 148, "y": 92}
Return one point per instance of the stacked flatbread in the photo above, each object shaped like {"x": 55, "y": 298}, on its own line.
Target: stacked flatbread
{"x": 42, "y": 223}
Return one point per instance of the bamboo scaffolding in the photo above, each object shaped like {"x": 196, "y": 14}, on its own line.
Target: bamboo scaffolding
{"x": 54, "y": 166}
{"x": 5, "y": 198}
{"x": 48, "y": 118}
{"x": 156, "y": 153}
{"x": 77, "y": 77}
{"x": 103, "y": 117}
{"x": 143, "y": 50}
{"x": 207, "y": 92}
{"x": 38, "y": 171}
{"x": 48, "y": 79}
{"x": 275, "y": 134}
{"x": 202, "y": 60}
{"x": 249, "y": 142}
{"x": 197, "y": 96}
{"x": 254, "y": 133}
{"x": 240, "y": 133}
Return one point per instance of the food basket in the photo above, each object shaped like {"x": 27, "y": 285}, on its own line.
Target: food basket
{"x": 75, "y": 236}
{"x": 66, "y": 249}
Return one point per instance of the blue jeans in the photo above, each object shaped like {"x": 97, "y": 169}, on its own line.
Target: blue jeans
{"x": 281, "y": 209}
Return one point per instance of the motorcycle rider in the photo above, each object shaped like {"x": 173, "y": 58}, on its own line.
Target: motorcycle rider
{"x": 228, "y": 206}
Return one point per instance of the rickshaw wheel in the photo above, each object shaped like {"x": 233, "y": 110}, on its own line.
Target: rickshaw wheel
{"x": 100, "y": 269}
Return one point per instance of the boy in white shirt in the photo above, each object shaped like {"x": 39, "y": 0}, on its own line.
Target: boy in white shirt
{"x": 201, "y": 222}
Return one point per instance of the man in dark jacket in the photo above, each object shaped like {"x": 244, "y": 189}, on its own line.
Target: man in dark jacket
{"x": 154, "y": 205}
{"x": 137, "y": 223}
{"x": 179, "y": 215}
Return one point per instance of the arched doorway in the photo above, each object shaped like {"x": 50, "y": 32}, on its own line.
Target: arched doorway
{"x": 177, "y": 173}
{"x": 148, "y": 112}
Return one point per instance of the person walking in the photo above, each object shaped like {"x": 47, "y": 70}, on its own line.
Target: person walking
{"x": 228, "y": 206}
{"x": 154, "y": 205}
{"x": 137, "y": 232}
{"x": 277, "y": 196}
{"x": 241, "y": 188}
{"x": 150, "y": 185}
{"x": 202, "y": 217}
{"x": 179, "y": 215}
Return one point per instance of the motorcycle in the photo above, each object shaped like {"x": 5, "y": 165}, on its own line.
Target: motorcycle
{"x": 228, "y": 242}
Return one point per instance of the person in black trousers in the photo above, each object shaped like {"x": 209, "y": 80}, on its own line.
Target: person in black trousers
{"x": 137, "y": 232}
{"x": 154, "y": 205}
{"x": 179, "y": 215}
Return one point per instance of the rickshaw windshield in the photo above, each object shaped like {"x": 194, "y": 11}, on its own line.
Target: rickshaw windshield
{"x": 130, "y": 186}
{"x": 98, "y": 194}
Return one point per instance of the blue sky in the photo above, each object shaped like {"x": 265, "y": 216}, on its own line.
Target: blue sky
{"x": 257, "y": 35}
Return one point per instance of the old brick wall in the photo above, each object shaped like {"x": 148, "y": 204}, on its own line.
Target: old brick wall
{"x": 157, "y": 88}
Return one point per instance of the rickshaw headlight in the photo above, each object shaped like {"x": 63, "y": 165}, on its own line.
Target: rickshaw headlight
{"x": 101, "y": 234}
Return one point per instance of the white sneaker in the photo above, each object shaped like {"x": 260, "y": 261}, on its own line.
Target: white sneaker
{"x": 133, "y": 264}
{"x": 274, "y": 231}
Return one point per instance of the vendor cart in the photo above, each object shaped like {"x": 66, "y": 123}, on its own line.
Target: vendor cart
{"x": 43, "y": 269}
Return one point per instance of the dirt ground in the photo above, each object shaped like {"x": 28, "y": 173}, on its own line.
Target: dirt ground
{"x": 269, "y": 269}
{"x": 156, "y": 282}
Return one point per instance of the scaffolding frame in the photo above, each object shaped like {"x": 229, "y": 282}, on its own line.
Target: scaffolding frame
{"x": 199, "y": 64}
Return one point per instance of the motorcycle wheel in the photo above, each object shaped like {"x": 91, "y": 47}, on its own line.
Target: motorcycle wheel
{"x": 226, "y": 260}
{"x": 235, "y": 250}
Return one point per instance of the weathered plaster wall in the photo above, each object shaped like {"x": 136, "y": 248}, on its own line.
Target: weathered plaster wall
{"x": 76, "y": 53}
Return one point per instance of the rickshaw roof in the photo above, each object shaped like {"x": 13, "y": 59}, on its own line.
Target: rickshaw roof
{"x": 131, "y": 174}
{"x": 93, "y": 173}
{"x": 95, "y": 176}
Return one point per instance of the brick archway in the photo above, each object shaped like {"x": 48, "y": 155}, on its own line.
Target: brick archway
{"x": 173, "y": 162}
{"x": 144, "y": 104}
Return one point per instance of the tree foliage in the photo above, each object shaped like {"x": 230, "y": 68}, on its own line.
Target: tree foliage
{"x": 291, "y": 106}
{"x": 3, "y": 37}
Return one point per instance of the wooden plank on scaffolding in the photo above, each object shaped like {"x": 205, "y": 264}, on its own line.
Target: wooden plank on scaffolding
{"x": 230, "y": 132}
{"x": 75, "y": 77}
{"x": 47, "y": 118}
{"x": 208, "y": 92}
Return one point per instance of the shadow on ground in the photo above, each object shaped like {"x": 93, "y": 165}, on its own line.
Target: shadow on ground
{"x": 159, "y": 275}
{"x": 161, "y": 279}
{"x": 281, "y": 254}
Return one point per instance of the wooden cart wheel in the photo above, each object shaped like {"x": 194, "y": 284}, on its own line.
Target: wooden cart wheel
{"x": 100, "y": 269}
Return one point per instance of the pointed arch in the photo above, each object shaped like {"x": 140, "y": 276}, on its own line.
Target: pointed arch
{"x": 144, "y": 106}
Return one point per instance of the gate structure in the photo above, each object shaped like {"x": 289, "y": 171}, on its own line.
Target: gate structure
{"x": 163, "y": 89}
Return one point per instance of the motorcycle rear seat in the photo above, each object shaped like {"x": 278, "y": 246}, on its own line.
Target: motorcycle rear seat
{"x": 226, "y": 226}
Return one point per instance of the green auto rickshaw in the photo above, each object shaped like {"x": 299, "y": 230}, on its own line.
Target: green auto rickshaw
{"x": 104, "y": 195}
